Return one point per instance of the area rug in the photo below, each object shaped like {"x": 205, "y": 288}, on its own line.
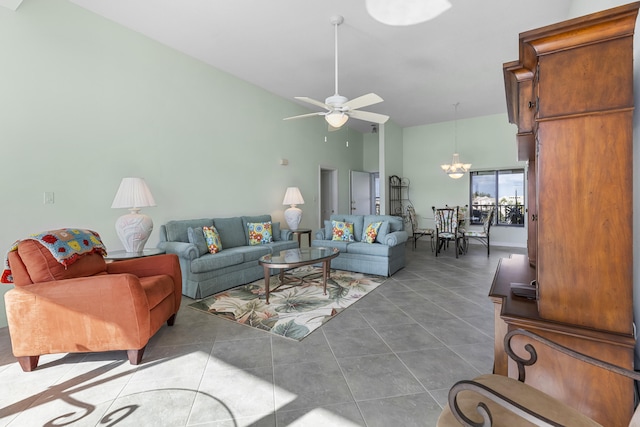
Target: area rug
{"x": 294, "y": 311}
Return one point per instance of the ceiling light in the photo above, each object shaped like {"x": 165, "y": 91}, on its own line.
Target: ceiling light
{"x": 456, "y": 169}
{"x": 406, "y": 12}
{"x": 336, "y": 118}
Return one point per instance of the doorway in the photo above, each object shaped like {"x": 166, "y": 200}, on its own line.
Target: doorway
{"x": 362, "y": 193}
{"x": 328, "y": 182}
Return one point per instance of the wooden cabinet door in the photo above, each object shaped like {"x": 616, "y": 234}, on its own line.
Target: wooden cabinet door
{"x": 584, "y": 258}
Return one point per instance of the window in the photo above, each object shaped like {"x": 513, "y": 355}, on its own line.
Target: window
{"x": 503, "y": 189}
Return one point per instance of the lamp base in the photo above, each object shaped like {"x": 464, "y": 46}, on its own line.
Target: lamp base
{"x": 293, "y": 215}
{"x": 133, "y": 230}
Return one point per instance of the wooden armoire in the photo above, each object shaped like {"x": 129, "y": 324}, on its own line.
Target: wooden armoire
{"x": 570, "y": 94}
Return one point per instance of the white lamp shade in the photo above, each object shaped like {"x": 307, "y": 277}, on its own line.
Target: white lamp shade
{"x": 336, "y": 119}
{"x": 292, "y": 197}
{"x": 405, "y": 12}
{"x": 133, "y": 228}
{"x": 133, "y": 193}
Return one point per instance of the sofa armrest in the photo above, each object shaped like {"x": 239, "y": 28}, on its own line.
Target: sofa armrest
{"x": 90, "y": 313}
{"x": 286, "y": 235}
{"x": 320, "y": 234}
{"x": 395, "y": 238}
{"x": 187, "y": 251}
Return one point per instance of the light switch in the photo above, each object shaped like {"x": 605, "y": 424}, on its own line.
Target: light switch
{"x": 49, "y": 198}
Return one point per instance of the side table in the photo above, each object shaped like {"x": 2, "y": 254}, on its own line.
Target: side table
{"x": 122, "y": 255}
{"x": 299, "y": 232}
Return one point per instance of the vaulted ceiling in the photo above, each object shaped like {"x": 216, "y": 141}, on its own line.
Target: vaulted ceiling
{"x": 287, "y": 48}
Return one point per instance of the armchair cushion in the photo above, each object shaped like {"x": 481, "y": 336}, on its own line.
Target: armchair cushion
{"x": 43, "y": 267}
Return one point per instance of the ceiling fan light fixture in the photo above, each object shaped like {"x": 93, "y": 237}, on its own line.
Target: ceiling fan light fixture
{"x": 406, "y": 12}
{"x": 336, "y": 119}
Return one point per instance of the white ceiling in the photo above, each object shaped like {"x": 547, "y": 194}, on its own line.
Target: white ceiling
{"x": 287, "y": 47}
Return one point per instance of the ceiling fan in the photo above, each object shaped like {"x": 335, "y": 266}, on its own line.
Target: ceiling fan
{"x": 339, "y": 108}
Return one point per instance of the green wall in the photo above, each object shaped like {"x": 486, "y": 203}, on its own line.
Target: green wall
{"x": 486, "y": 142}
{"x": 86, "y": 102}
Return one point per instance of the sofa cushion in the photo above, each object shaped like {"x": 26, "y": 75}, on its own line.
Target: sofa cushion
{"x": 338, "y": 244}
{"x": 211, "y": 262}
{"x": 251, "y": 253}
{"x": 178, "y": 230}
{"x": 342, "y": 230}
{"x": 252, "y": 219}
{"x": 328, "y": 230}
{"x": 43, "y": 267}
{"x": 277, "y": 233}
{"x": 196, "y": 237}
{"x": 212, "y": 239}
{"x": 363, "y": 248}
{"x": 282, "y": 245}
{"x": 370, "y": 232}
{"x": 260, "y": 233}
{"x": 396, "y": 223}
{"x": 382, "y": 231}
{"x": 232, "y": 232}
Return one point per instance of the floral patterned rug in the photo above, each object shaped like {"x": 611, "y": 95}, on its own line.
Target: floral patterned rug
{"x": 294, "y": 311}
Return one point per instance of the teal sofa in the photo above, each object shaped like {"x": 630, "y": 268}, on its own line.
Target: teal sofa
{"x": 383, "y": 257}
{"x": 205, "y": 274}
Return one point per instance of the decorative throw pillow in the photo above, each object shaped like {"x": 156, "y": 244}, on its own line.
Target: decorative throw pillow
{"x": 213, "y": 239}
{"x": 260, "y": 233}
{"x": 371, "y": 232}
{"x": 342, "y": 231}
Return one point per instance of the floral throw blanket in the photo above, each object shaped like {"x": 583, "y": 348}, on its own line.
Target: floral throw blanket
{"x": 66, "y": 245}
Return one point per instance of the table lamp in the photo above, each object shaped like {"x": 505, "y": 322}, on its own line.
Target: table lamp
{"x": 293, "y": 215}
{"x": 133, "y": 228}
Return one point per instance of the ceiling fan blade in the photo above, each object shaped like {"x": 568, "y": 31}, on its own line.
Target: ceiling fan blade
{"x": 368, "y": 116}
{"x": 302, "y": 116}
{"x": 364, "y": 101}
{"x": 312, "y": 101}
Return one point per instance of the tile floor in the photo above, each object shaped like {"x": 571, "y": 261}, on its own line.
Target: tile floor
{"x": 387, "y": 360}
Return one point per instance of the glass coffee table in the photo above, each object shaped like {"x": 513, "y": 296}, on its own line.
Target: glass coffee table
{"x": 294, "y": 258}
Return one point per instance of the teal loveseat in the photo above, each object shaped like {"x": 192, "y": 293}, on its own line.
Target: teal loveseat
{"x": 383, "y": 257}
{"x": 205, "y": 274}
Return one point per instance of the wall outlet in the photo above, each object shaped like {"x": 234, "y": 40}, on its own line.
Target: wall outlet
{"x": 49, "y": 198}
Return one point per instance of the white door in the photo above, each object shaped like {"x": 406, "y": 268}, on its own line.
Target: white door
{"x": 328, "y": 194}
{"x": 360, "y": 193}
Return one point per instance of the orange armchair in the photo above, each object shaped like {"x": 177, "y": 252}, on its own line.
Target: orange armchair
{"x": 89, "y": 306}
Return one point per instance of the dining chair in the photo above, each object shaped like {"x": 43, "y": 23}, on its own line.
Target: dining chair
{"x": 482, "y": 235}
{"x": 447, "y": 222}
{"x": 418, "y": 232}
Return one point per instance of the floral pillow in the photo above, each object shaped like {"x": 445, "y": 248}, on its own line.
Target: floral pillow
{"x": 260, "y": 233}
{"x": 371, "y": 232}
{"x": 213, "y": 239}
{"x": 342, "y": 231}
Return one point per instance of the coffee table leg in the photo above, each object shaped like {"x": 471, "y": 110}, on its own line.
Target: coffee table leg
{"x": 267, "y": 276}
{"x": 326, "y": 268}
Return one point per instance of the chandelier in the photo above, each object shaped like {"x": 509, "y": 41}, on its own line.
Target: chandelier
{"x": 456, "y": 169}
